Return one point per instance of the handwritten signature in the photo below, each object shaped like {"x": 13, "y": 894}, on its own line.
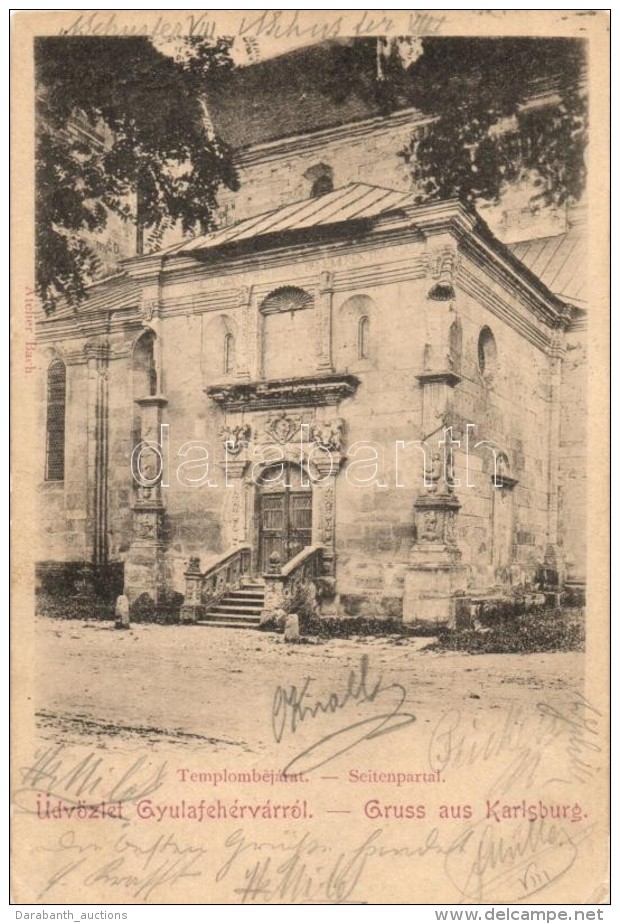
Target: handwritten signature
{"x": 59, "y": 774}
{"x": 509, "y": 865}
{"x": 532, "y": 741}
{"x": 131, "y": 866}
{"x": 294, "y": 706}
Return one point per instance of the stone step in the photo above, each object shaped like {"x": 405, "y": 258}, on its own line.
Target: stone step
{"x": 229, "y": 621}
{"x": 239, "y": 609}
{"x": 249, "y": 596}
{"x": 235, "y": 608}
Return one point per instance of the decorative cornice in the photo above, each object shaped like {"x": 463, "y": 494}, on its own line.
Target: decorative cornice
{"x": 152, "y": 401}
{"x": 296, "y": 144}
{"x": 478, "y": 288}
{"x": 344, "y": 280}
{"x": 447, "y": 377}
{"x": 312, "y": 391}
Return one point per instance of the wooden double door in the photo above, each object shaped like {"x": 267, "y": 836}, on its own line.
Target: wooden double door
{"x": 283, "y": 514}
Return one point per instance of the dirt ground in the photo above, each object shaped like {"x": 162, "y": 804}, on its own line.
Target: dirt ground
{"x": 214, "y": 687}
{"x": 395, "y": 750}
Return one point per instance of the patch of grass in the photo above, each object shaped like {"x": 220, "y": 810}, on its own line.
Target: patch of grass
{"x": 347, "y": 627}
{"x": 73, "y": 607}
{"x": 95, "y": 609}
{"x": 546, "y": 629}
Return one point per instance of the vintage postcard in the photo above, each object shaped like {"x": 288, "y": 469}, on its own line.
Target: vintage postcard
{"x": 310, "y": 462}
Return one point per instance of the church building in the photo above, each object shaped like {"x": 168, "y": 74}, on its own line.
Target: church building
{"x": 338, "y": 396}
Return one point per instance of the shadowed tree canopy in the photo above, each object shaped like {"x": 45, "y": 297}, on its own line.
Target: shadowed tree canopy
{"x": 502, "y": 109}
{"x": 121, "y": 128}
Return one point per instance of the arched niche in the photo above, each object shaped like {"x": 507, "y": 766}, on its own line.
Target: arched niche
{"x": 487, "y": 355}
{"x": 355, "y": 332}
{"x": 143, "y": 366}
{"x": 289, "y": 333}
{"x": 144, "y": 377}
{"x": 455, "y": 346}
{"x": 220, "y": 349}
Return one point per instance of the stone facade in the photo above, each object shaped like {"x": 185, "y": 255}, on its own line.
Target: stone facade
{"x": 333, "y": 352}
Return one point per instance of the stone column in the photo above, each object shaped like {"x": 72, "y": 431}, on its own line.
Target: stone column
{"x": 327, "y": 436}
{"x": 434, "y": 572}
{"x": 146, "y": 568}
{"x": 554, "y": 562}
{"x": 236, "y": 502}
{"x": 324, "y": 322}
{"x": 97, "y": 355}
{"x": 326, "y": 585}
{"x": 246, "y": 348}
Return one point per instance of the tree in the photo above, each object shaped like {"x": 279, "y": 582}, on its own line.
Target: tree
{"x": 486, "y": 128}
{"x": 121, "y": 128}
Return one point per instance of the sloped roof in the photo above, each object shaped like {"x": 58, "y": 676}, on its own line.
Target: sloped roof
{"x": 351, "y": 205}
{"x": 358, "y": 201}
{"x": 279, "y": 97}
{"x": 560, "y": 262}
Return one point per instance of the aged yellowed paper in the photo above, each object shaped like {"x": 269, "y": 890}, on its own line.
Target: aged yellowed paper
{"x": 310, "y": 462}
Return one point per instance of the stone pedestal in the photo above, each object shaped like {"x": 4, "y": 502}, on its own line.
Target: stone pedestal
{"x": 434, "y": 573}
{"x": 193, "y": 608}
{"x": 147, "y": 571}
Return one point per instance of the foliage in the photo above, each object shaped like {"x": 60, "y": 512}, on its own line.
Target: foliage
{"x": 536, "y": 631}
{"x": 481, "y": 134}
{"x": 118, "y": 122}
{"x": 96, "y": 609}
{"x": 363, "y": 626}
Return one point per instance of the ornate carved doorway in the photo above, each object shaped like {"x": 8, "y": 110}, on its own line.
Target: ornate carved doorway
{"x": 283, "y": 514}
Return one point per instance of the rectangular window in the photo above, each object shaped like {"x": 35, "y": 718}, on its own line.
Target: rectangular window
{"x": 55, "y": 430}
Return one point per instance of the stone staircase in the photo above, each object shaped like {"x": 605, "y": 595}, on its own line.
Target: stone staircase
{"x": 238, "y": 609}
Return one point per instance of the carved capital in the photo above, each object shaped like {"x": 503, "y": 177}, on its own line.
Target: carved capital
{"x": 326, "y": 282}
{"x": 236, "y": 437}
{"x": 328, "y": 434}
{"x": 442, "y": 266}
{"x": 150, "y": 307}
{"x": 283, "y": 427}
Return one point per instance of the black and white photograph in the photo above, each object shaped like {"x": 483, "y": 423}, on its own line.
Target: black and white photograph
{"x": 310, "y": 580}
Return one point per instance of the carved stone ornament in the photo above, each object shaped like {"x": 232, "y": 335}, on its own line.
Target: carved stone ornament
{"x": 236, "y": 437}
{"x": 149, "y": 308}
{"x": 283, "y": 427}
{"x": 430, "y": 526}
{"x": 146, "y": 525}
{"x": 307, "y": 391}
{"x": 328, "y": 434}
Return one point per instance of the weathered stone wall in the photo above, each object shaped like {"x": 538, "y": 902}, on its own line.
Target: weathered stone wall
{"x": 276, "y": 176}
{"x": 64, "y": 533}
{"x": 386, "y": 285}
{"x": 572, "y": 505}
{"x": 510, "y": 410}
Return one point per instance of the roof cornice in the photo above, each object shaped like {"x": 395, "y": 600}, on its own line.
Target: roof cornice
{"x": 267, "y": 150}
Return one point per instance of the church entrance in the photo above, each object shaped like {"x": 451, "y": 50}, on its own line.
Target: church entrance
{"x": 283, "y": 514}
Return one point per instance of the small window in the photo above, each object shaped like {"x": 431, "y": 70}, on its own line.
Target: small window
{"x": 455, "y": 346}
{"x": 363, "y": 332}
{"x": 144, "y": 367}
{"x": 320, "y": 179}
{"x": 229, "y": 354}
{"x": 487, "y": 353}
{"x": 321, "y": 186}
{"x": 55, "y": 428}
